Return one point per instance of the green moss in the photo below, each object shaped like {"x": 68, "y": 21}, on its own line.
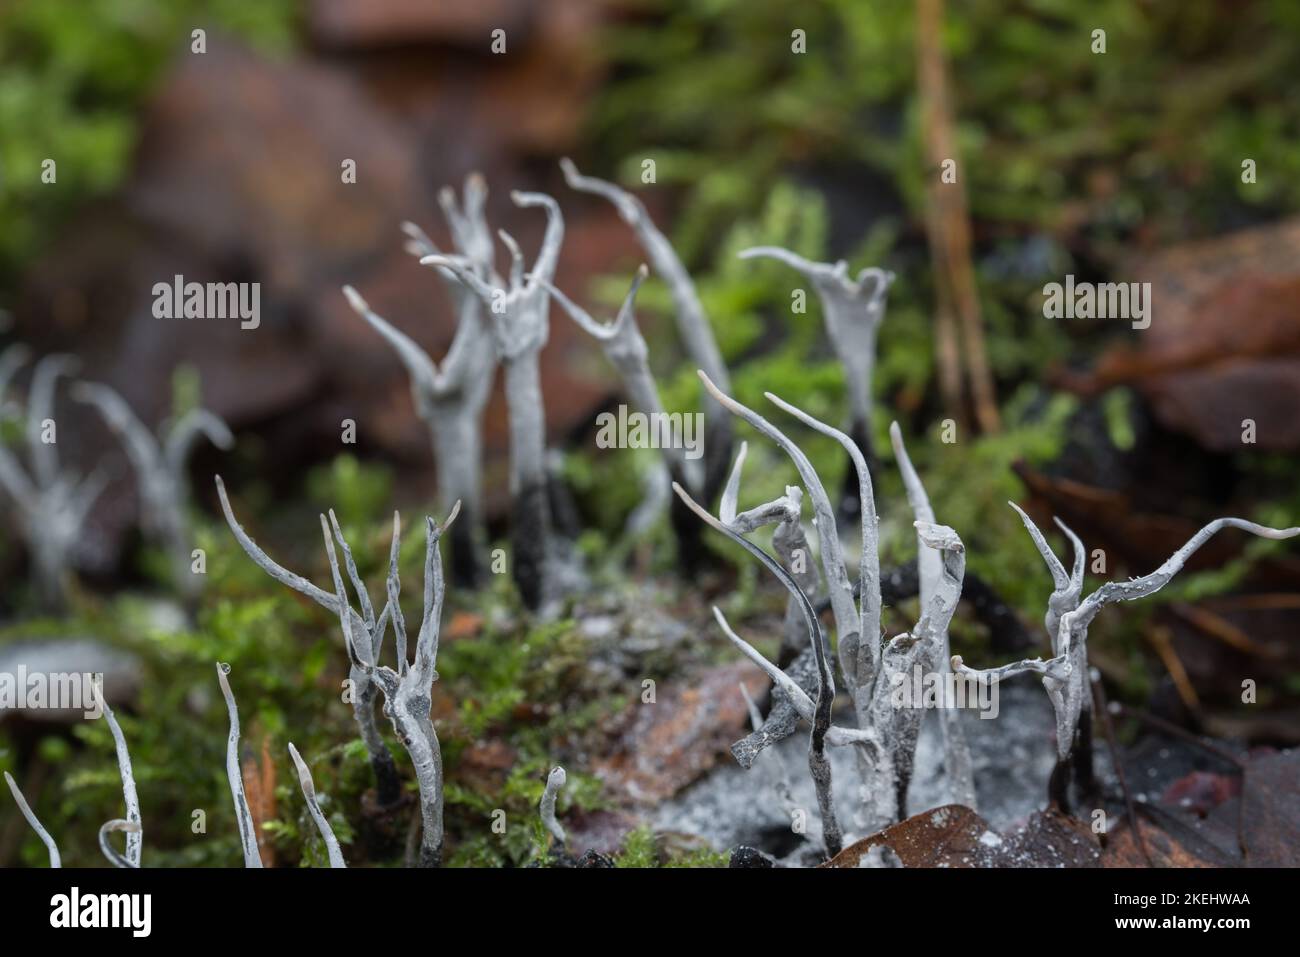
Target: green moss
{"x": 639, "y": 849}
{"x": 1172, "y": 74}
{"x": 359, "y": 493}
{"x": 1117, "y": 407}
{"x": 700, "y": 858}
{"x": 75, "y": 74}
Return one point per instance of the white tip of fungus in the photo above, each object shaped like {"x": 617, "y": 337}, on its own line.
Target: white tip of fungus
{"x": 355, "y": 300}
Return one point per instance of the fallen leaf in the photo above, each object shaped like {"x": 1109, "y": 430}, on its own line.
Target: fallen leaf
{"x": 1049, "y": 839}
{"x": 1166, "y": 850}
{"x": 1223, "y": 343}
{"x": 955, "y": 836}
{"x": 1271, "y": 792}
{"x": 948, "y": 836}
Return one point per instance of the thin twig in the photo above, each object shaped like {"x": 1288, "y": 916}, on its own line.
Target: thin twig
{"x": 1182, "y": 734}
{"x": 1100, "y": 706}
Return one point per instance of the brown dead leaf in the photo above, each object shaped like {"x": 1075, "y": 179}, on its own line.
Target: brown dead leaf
{"x": 1224, "y": 340}
{"x": 1049, "y": 839}
{"x": 1166, "y": 850}
{"x": 948, "y": 836}
{"x": 1201, "y": 791}
{"x": 1271, "y": 792}
{"x": 1268, "y": 823}
{"x": 955, "y": 836}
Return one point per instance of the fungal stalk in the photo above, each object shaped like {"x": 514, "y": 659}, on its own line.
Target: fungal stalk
{"x": 243, "y": 813}
{"x": 852, "y": 309}
{"x": 450, "y": 399}
{"x": 160, "y": 467}
{"x": 364, "y": 634}
{"x": 134, "y": 832}
{"x": 554, "y": 782}
{"x": 626, "y": 350}
{"x": 131, "y": 829}
{"x": 692, "y": 324}
{"x": 37, "y": 826}
{"x": 937, "y": 575}
{"x": 313, "y": 806}
{"x": 781, "y": 774}
{"x": 51, "y": 504}
{"x": 408, "y": 698}
{"x": 519, "y": 315}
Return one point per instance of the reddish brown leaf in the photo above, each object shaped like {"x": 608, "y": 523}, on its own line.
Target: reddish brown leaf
{"x": 955, "y": 836}
{"x": 1166, "y": 850}
{"x": 1224, "y": 339}
{"x": 949, "y": 836}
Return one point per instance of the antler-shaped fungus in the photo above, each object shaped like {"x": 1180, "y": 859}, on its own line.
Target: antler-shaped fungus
{"x": 450, "y": 398}
{"x": 554, "y": 782}
{"x": 1065, "y": 675}
{"x": 853, "y": 309}
{"x": 159, "y": 464}
{"x": 134, "y": 826}
{"x": 52, "y": 504}
{"x": 131, "y": 824}
{"x": 935, "y": 576}
{"x": 818, "y": 713}
{"x": 132, "y": 830}
{"x": 520, "y": 326}
{"x": 367, "y": 628}
{"x": 626, "y": 350}
{"x": 408, "y": 700}
{"x": 44, "y": 835}
{"x": 692, "y": 323}
{"x": 885, "y": 742}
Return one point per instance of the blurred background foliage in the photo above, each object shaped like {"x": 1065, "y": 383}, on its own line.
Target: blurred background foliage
{"x": 74, "y": 75}
{"x": 1071, "y": 160}
{"x": 1142, "y": 138}
{"x": 1079, "y": 159}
